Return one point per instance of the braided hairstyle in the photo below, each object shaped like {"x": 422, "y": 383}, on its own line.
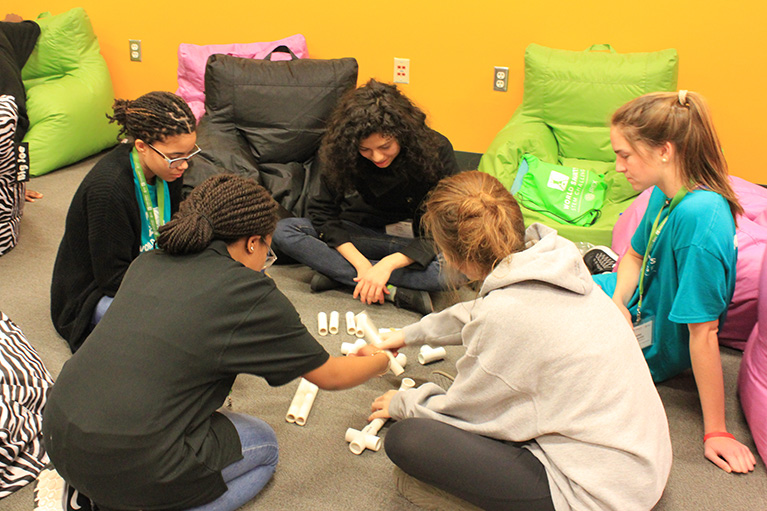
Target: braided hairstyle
{"x": 153, "y": 117}
{"x": 377, "y": 108}
{"x": 223, "y": 207}
{"x": 474, "y": 220}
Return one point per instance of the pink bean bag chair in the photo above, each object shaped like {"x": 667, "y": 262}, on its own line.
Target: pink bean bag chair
{"x": 192, "y": 59}
{"x": 752, "y": 242}
{"x": 752, "y": 379}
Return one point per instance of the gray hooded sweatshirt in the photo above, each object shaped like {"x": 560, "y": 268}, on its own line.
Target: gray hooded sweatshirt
{"x": 551, "y": 361}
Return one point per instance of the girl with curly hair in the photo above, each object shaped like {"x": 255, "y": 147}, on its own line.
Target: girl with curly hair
{"x": 119, "y": 206}
{"x": 379, "y": 160}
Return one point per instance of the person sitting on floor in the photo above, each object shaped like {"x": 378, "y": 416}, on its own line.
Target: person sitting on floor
{"x": 553, "y": 406}
{"x": 132, "y": 422}
{"x": 675, "y": 282}
{"x": 118, "y": 208}
{"x": 379, "y": 160}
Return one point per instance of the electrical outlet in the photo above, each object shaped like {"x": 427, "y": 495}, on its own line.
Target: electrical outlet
{"x": 135, "y": 49}
{"x": 501, "y": 79}
{"x": 401, "y": 70}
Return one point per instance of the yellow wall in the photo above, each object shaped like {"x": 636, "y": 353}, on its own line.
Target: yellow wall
{"x": 453, "y": 46}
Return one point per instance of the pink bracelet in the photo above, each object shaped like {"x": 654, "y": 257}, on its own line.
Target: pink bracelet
{"x": 717, "y": 433}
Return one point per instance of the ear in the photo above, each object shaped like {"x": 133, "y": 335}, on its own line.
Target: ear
{"x": 251, "y": 242}
{"x": 140, "y": 145}
{"x": 667, "y": 152}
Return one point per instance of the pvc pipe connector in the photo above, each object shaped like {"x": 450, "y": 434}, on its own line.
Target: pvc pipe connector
{"x": 370, "y": 334}
{"x": 322, "y": 323}
{"x": 302, "y": 402}
{"x": 429, "y": 354}
{"x": 348, "y": 348}
{"x": 350, "y": 328}
{"x": 333, "y": 325}
{"x": 367, "y": 438}
{"x": 401, "y": 359}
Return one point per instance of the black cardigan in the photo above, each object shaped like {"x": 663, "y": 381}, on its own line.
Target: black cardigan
{"x": 101, "y": 239}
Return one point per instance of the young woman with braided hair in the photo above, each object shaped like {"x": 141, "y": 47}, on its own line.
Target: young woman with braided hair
{"x": 132, "y": 420}
{"x": 553, "y": 406}
{"x": 677, "y": 278}
{"x": 118, "y": 207}
{"x": 379, "y": 160}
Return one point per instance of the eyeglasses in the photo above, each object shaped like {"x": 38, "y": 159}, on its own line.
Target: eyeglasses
{"x": 176, "y": 162}
{"x": 271, "y": 257}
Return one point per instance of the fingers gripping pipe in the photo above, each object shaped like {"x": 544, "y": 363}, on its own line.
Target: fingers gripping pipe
{"x": 367, "y": 438}
{"x": 302, "y": 402}
{"x": 370, "y": 334}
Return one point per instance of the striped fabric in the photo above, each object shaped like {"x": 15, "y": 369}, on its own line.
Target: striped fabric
{"x": 24, "y": 387}
{"x": 11, "y": 192}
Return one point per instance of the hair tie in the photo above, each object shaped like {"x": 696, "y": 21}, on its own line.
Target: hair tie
{"x": 205, "y": 217}
{"x": 683, "y": 97}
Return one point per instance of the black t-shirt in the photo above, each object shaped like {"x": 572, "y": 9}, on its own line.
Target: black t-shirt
{"x": 131, "y": 421}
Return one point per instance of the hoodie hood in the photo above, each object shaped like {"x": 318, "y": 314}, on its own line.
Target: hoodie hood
{"x": 548, "y": 258}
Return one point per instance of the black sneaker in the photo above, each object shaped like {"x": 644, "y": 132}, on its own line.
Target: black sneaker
{"x": 600, "y": 259}
{"x": 414, "y": 300}
{"x": 76, "y": 501}
{"x": 322, "y": 283}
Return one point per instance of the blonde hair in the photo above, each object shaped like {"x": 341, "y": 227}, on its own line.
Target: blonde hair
{"x": 474, "y": 220}
{"x": 684, "y": 120}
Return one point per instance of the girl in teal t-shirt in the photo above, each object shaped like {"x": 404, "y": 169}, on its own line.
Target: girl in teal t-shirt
{"x": 676, "y": 280}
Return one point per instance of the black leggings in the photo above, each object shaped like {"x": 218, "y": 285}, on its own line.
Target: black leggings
{"x": 488, "y": 473}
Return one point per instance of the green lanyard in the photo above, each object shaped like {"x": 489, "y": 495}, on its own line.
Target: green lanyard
{"x": 156, "y": 218}
{"x": 651, "y": 242}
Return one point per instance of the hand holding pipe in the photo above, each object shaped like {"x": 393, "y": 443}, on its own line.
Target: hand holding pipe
{"x": 366, "y": 438}
{"x": 302, "y": 402}
{"x": 370, "y": 334}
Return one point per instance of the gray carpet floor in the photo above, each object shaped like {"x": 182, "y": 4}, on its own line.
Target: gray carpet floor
{"x": 316, "y": 469}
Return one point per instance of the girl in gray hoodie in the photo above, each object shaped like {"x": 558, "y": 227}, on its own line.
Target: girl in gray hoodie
{"x": 553, "y": 406}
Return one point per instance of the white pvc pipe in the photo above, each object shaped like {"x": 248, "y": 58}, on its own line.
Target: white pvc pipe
{"x": 298, "y": 411}
{"x": 366, "y": 438}
{"x": 348, "y": 348}
{"x": 322, "y": 323}
{"x": 333, "y": 326}
{"x": 370, "y": 334}
{"x": 429, "y": 354}
{"x": 306, "y": 406}
{"x": 401, "y": 359}
{"x": 350, "y": 328}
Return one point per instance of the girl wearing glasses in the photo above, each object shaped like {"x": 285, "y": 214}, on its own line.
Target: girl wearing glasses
{"x": 118, "y": 208}
{"x": 132, "y": 420}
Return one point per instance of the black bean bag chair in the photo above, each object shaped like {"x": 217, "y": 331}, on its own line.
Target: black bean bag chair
{"x": 265, "y": 120}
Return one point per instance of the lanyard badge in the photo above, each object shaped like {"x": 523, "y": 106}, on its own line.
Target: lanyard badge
{"x": 156, "y": 215}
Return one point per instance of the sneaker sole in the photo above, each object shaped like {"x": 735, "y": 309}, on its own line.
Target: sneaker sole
{"x": 49, "y": 491}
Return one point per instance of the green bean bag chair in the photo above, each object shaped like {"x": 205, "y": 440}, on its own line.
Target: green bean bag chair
{"x": 564, "y": 119}
{"x": 69, "y": 93}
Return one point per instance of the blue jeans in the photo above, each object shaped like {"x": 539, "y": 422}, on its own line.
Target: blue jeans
{"x": 297, "y": 238}
{"x": 246, "y": 477}
{"x": 101, "y": 309}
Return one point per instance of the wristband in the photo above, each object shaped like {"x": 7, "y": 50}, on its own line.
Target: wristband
{"x": 717, "y": 433}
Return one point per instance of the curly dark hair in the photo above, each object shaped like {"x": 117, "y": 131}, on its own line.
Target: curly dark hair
{"x": 223, "y": 207}
{"x": 377, "y": 108}
{"x": 153, "y": 117}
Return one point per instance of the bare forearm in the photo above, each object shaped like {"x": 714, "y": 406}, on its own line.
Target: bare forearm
{"x": 628, "y": 276}
{"x": 354, "y": 256}
{"x": 707, "y": 368}
{"x": 345, "y": 372}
